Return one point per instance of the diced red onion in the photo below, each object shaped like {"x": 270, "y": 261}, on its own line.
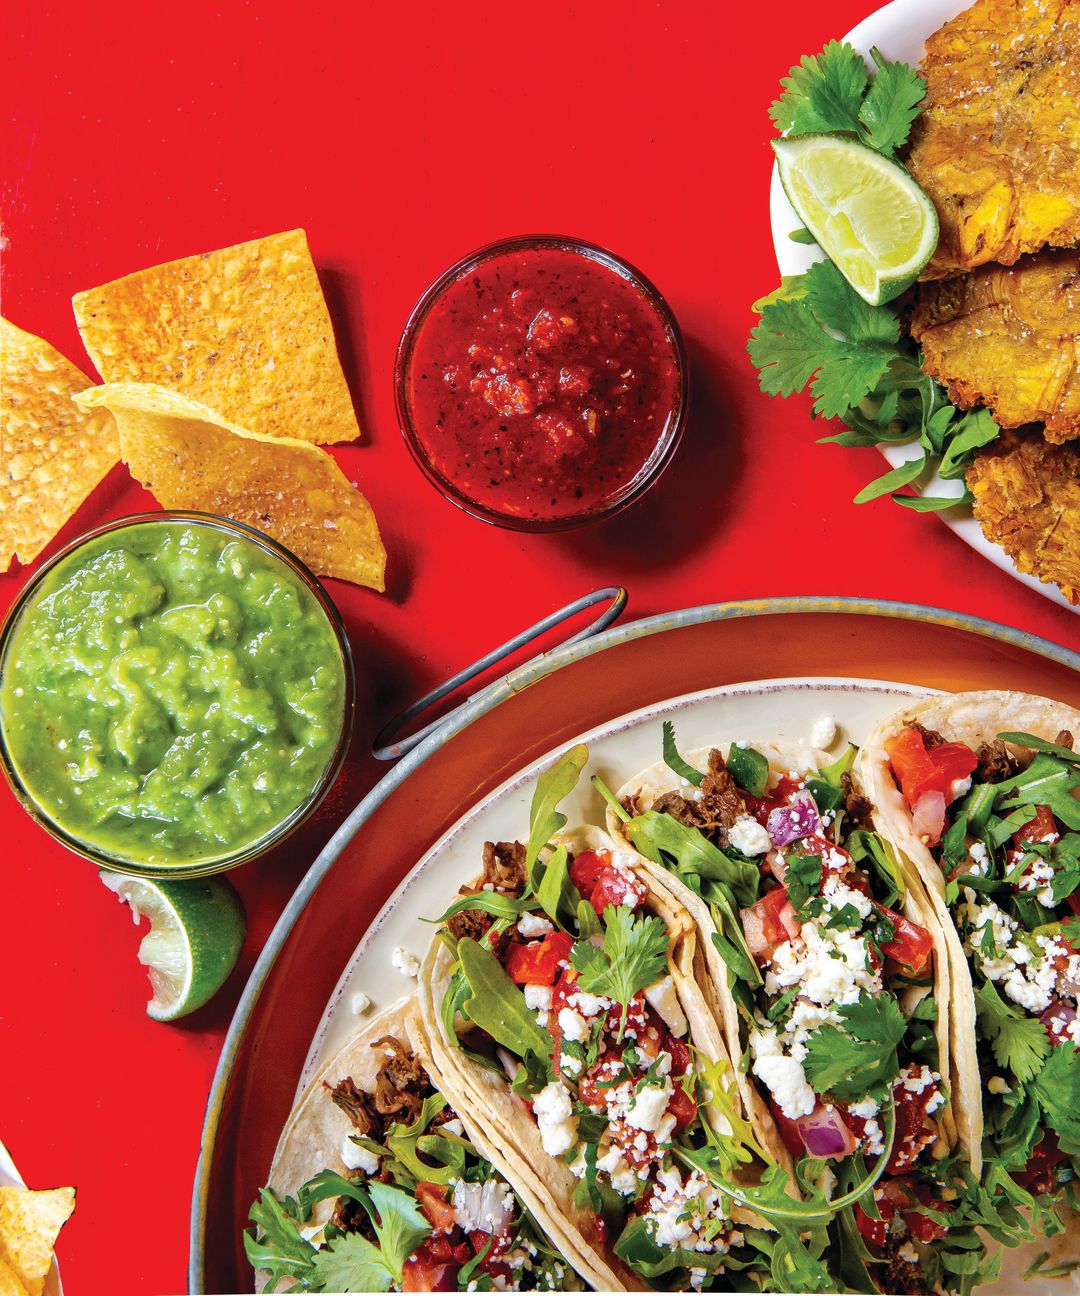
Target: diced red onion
{"x": 794, "y": 821}
{"x": 1057, "y": 1019}
{"x": 824, "y": 1133}
{"x": 928, "y": 816}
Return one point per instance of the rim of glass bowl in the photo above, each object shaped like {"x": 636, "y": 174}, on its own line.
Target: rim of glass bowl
{"x": 662, "y": 452}
{"x": 300, "y": 813}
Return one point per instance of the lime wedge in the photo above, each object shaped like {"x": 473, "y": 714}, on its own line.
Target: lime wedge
{"x": 866, "y": 212}
{"x": 196, "y": 932}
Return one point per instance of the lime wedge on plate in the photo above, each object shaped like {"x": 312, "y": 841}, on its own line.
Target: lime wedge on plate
{"x": 196, "y": 932}
{"x": 866, "y": 212}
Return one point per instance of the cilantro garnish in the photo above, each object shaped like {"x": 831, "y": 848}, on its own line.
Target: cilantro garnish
{"x": 675, "y": 762}
{"x": 832, "y": 91}
{"x": 802, "y": 877}
{"x": 633, "y": 956}
{"x": 1057, "y": 1087}
{"x": 860, "y": 1057}
{"x": 351, "y": 1263}
{"x": 1020, "y": 1043}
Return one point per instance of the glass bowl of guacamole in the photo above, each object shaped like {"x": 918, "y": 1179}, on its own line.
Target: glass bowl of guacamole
{"x": 176, "y": 694}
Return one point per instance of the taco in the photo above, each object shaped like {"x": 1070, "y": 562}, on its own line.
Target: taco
{"x": 979, "y": 792}
{"x": 829, "y": 973}
{"x": 564, "y": 1011}
{"x": 378, "y": 1184}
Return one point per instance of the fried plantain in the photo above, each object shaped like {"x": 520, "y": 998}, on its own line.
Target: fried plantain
{"x": 997, "y": 146}
{"x": 1008, "y": 338}
{"x": 1027, "y": 499}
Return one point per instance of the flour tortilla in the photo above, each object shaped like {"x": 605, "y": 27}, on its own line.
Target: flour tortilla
{"x": 317, "y": 1129}
{"x": 489, "y": 1097}
{"x": 643, "y": 791}
{"x": 971, "y": 718}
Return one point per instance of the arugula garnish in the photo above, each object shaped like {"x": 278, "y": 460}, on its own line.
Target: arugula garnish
{"x": 859, "y": 1058}
{"x": 497, "y": 1005}
{"x": 276, "y": 1247}
{"x": 675, "y": 762}
{"x": 633, "y": 956}
{"x": 1020, "y": 1043}
{"x": 832, "y": 91}
{"x": 553, "y": 786}
{"x": 749, "y": 768}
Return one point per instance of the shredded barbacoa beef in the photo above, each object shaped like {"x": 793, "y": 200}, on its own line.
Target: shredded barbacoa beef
{"x": 996, "y": 764}
{"x": 931, "y": 738}
{"x": 858, "y": 809}
{"x": 902, "y": 1275}
{"x": 1064, "y": 739}
{"x": 504, "y": 871}
{"x": 720, "y": 804}
{"x": 359, "y": 1107}
{"x": 402, "y": 1083}
{"x": 350, "y": 1216}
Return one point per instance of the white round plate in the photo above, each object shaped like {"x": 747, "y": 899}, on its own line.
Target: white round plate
{"x": 899, "y": 30}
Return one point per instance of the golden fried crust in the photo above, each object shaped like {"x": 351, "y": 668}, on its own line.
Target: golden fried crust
{"x": 1008, "y": 338}
{"x": 997, "y": 146}
{"x": 1027, "y": 499}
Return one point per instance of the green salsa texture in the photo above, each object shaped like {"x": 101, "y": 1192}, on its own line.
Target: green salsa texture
{"x": 171, "y": 693}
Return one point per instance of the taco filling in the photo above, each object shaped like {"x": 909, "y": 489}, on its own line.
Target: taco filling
{"x": 414, "y": 1206}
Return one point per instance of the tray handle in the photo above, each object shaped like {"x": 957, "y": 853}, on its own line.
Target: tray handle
{"x": 388, "y": 746}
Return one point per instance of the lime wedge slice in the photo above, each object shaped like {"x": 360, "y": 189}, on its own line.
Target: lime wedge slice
{"x": 196, "y": 932}
{"x": 867, "y": 213}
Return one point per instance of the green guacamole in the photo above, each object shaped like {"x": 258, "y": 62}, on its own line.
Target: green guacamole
{"x": 171, "y": 693}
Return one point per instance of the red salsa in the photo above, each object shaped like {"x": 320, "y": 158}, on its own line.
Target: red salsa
{"x": 542, "y": 385}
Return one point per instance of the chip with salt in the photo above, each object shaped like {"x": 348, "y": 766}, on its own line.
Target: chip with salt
{"x": 244, "y": 330}
{"x": 30, "y": 1222}
{"x": 189, "y": 457}
{"x": 52, "y": 454}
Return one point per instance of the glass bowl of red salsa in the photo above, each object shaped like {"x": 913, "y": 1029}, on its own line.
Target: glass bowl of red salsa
{"x": 542, "y": 383}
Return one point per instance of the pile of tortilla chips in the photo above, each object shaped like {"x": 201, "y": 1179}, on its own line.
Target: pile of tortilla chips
{"x": 30, "y": 1223}
{"x": 221, "y": 380}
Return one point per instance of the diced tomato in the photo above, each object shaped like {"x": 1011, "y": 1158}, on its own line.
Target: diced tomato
{"x": 682, "y": 1107}
{"x": 1037, "y": 829}
{"x": 913, "y": 1130}
{"x": 762, "y": 807}
{"x": 875, "y": 1231}
{"x": 537, "y": 962}
{"x": 788, "y": 1130}
{"x": 478, "y": 1239}
{"x": 1039, "y": 1175}
{"x": 680, "y": 1056}
{"x": 835, "y": 861}
{"x": 434, "y": 1266}
{"x": 768, "y": 923}
{"x": 601, "y": 1229}
{"x": 911, "y": 947}
{"x": 602, "y": 884}
{"x": 904, "y": 1193}
{"x": 431, "y": 1198}
{"x": 919, "y": 770}
{"x": 607, "y": 1065}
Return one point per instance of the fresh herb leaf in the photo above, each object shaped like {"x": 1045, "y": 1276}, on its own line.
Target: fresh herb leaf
{"x": 633, "y": 956}
{"x": 553, "y": 786}
{"x": 553, "y": 888}
{"x": 749, "y": 768}
{"x": 497, "y": 1005}
{"x": 823, "y": 92}
{"x": 492, "y": 902}
{"x": 656, "y": 835}
{"x": 1020, "y": 1043}
{"x": 903, "y": 475}
{"x": 353, "y": 1264}
{"x": 675, "y": 762}
{"x": 803, "y": 236}
{"x": 1041, "y": 745}
{"x": 932, "y": 503}
{"x": 275, "y": 1247}
{"x": 891, "y": 105}
{"x": 859, "y": 1058}
{"x": 802, "y": 877}
{"x": 1048, "y": 780}
{"x": 1057, "y": 1087}
{"x": 971, "y": 432}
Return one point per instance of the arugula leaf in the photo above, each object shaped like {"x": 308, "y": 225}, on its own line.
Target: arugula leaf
{"x": 1048, "y": 781}
{"x": 353, "y": 1264}
{"x": 823, "y": 92}
{"x": 275, "y": 1247}
{"x": 1057, "y": 1087}
{"x": 633, "y": 956}
{"x": 860, "y": 1058}
{"x": 972, "y": 431}
{"x": 870, "y": 850}
{"x": 637, "y": 1247}
{"x": 497, "y": 1005}
{"x": 656, "y": 835}
{"x": 1041, "y": 745}
{"x": 553, "y": 786}
{"x": 675, "y": 762}
{"x": 749, "y": 768}
{"x": 554, "y": 890}
{"x": 1020, "y": 1043}
{"x": 492, "y": 902}
{"x": 903, "y": 475}
{"x": 891, "y": 105}
{"x": 932, "y": 503}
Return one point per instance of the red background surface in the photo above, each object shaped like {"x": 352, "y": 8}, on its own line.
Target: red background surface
{"x": 401, "y": 136}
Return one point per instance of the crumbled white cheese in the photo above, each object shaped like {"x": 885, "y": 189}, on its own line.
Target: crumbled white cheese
{"x": 622, "y": 1175}
{"x": 359, "y": 1004}
{"x": 589, "y": 1005}
{"x": 823, "y": 731}
{"x": 538, "y": 996}
{"x": 979, "y": 859}
{"x": 356, "y": 1157}
{"x": 867, "y": 1109}
{"x": 684, "y": 1214}
{"x": 555, "y": 1118}
{"x": 1036, "y": 878}
{"x": 407, "y": 964}
{"x": 749, "y": 837}
{"x": 784, "y": 1078}
{"x": 906, "y": 1251}
{"x": 573, "y": 1025}
{"x": 453, "y": 1126}
{"x": 663, "y": 997}
{"x": 530, "y": 925}
{"x": 958, "y": 788}
{"x": 649, "y": 1106}
{"x": 829, "y": 965}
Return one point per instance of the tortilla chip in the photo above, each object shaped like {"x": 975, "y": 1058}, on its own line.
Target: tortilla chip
{"x": 10, "y": 1282}
{"x": 244, "y": 330}
{"x": 29, "y": 1225}
{"x": 190, "y": 458}
{"x": 52, "y": 454}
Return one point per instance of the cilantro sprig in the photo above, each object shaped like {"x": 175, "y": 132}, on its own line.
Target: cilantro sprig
{"x": 1020, "y": 1043}
{"x": 832, "y": 91}
{"x": 860, "y": 1057}
{"x": 633, "y": 956}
